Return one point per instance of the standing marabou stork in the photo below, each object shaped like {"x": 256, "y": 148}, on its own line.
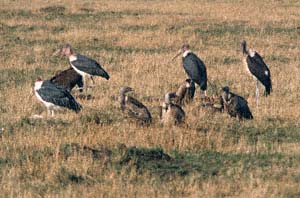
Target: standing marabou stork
{"x": 185, "y": 92}
{"x": 193, "y": 66}
{"x": 171, "y": 113}
{"x": 54, "y": 97}
{"x": 258, "y": 68}
{"x": 235, "y": 105}
{"x": 132, "y": 107}
{"x": 67, "y": 79}
{"x": 83, "y": 65}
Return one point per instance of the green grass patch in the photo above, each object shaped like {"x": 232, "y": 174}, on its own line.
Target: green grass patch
{"x": 27, "y": 124}
{"x": 277, "y": 58}
{"x": 20, "y": 13}
{"x": 20, "y": 156}
{"x": 18, "y": 77}
{"x": 212, "y": 29}
{"x": 134, "y": 28}
{"x": 205, "y": 164}
{"x": 66, "y": 176}
{"x": 270, "y": 134}
{"x": 153, "y": 162}
{"x": 97, "y": 117}
{"x": 53, "y": 9}
{"x": 221, "y": 29}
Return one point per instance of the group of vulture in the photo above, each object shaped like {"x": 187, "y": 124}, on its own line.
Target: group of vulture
{"x": 56, "y": 92}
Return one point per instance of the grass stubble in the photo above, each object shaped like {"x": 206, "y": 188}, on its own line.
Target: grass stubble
{"x": 99, "y": 153}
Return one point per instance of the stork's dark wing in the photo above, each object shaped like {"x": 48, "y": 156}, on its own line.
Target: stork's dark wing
{"x": 260, "y": 70}
{"x": 58, "y": 96}
{"x": 89, "y": 66}
{"x": 195, "y": 69}
{"x": 137, "y": 110}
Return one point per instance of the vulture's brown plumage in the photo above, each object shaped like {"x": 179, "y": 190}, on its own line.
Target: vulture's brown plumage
{"x": 235, "y": 105}
{"x": 133, "y": 108}
{"x": 67, "y": 79}
{"x": 171, "y": 113}
{"x": 185, "y": 93}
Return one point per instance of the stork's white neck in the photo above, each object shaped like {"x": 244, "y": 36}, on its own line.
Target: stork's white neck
{"x": 167, "y": 99}
{"x": 252, "y": 52}
{"x": 38, "y": 85}
{"x": 72, "y": 58}
{"x": 186, "y": 53}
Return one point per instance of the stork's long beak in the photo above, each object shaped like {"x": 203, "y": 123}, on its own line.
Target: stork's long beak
{"x": 31, "y": 92}
{"x": 178, "y": 53}
{"x": 57, "y": 52}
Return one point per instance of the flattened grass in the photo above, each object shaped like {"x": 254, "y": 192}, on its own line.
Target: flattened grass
{"x": 98, "y": 152}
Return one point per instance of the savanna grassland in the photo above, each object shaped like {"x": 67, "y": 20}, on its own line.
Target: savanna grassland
{"x": 98, "y": 153}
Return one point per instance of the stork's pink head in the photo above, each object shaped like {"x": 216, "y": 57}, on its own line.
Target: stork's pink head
{"x": 185, "y": 47}
{"x": 39, "y": 79}
{"x": 65, "y": 50}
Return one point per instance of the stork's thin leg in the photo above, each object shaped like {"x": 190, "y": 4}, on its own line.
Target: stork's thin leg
{"x": 85, "y": 85}
{"x": 257, "y": 93}
{"x": 52, "y": 113}
{"x": 93, "y": 80}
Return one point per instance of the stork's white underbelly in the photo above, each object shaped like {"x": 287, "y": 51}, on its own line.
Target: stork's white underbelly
{"x": 49, "y": 105}
{"x": 83, "y": 74}
{"x": 246, "y": 66}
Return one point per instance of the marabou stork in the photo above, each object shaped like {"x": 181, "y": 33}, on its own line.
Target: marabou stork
{"x": 83, "y": 65}
{"x": 132, "y": 107}
{"x": 68, "y": 79}
{"x": 171, "y": 113}
{"x": 193, "y": 66}
{"x": 235, "y": 105}
{"x": 54, "y": 97}
{"x": 185, "y": 92}
{"x": 258, "y": 68}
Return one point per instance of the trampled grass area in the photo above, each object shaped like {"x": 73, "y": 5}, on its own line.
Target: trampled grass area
{"x": 99, "y": 153}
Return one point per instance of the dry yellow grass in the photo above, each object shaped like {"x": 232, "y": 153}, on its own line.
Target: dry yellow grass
{"x": 134, "y": 41}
